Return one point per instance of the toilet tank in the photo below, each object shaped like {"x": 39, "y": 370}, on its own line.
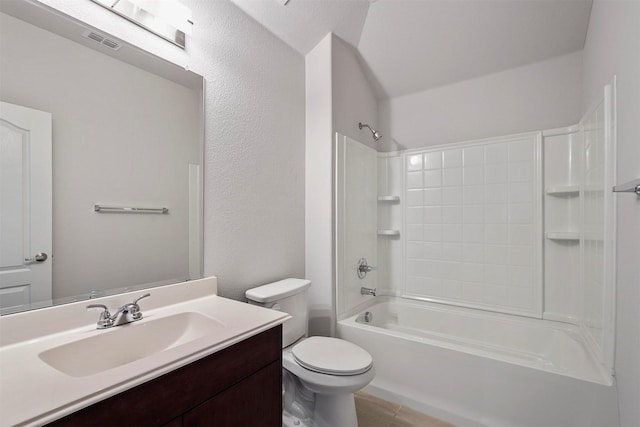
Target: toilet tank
{"x": 290, "y": 296}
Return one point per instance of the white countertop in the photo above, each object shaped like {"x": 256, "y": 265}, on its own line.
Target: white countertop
{"x": 34, "y": 393}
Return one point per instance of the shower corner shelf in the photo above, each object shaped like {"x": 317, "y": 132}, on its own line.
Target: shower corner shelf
{"x": 389, "y": 199}
{"x": 388, "y": 232}
{"x": 563, "y": 190}
{"x": 563, "y": 235}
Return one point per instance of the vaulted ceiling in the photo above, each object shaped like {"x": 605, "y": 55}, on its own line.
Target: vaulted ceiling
{"x": 414, "y": 45}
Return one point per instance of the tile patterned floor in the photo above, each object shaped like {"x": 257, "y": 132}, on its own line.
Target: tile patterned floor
{"x": 375, "y": 412}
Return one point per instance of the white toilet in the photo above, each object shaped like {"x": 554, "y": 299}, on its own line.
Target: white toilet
{"x": 320, "y": 374}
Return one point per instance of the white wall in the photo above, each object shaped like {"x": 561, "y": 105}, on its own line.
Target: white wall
{"x": 542, "y": 95}
{"x": 613, "y": 48}
{"x": 319, "y": 188}
{"x": 101, "y": 151}
{"x": 254, "y": 138}
{"x": 353, "y": 97}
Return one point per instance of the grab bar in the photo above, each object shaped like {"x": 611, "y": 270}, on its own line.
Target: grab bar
{"x": 628, "y": 187}
{"x": 114, "y": 209}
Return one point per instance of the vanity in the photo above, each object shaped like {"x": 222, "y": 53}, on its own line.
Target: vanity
{"x": 240, "y": 385}
{"x": 194, "y": 359}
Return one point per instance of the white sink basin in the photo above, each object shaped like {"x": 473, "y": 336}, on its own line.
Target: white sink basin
{"x": 128, "y": 343}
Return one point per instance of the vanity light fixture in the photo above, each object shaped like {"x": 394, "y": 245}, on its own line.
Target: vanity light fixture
{"x": 168, "y": 19}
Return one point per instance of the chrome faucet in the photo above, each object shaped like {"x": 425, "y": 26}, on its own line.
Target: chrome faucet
{"x": 368, "y": 291}
{"x": 128, "y": 313}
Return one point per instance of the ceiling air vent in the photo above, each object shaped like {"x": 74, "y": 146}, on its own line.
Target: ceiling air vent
{"x": 96, "y": 37}
{"x": 111, "y": 44}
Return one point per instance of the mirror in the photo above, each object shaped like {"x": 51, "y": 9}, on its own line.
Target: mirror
{"x": 87, "y": 121}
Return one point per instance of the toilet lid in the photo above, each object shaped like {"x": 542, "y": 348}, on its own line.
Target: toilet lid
{"x": 331, "y": 356}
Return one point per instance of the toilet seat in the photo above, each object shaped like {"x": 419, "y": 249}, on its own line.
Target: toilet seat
{"x": 325, "y": 383}
{"x": 331, "y": 356}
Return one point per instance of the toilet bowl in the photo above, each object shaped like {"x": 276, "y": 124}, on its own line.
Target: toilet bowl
{"x": 320, "y": 374}
{"x": 333, "y": 370}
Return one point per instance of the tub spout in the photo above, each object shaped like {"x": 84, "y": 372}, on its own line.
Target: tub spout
{"x": 368, "y": 291}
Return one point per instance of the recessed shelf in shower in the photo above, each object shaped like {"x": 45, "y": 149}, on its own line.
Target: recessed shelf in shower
{"x": 563, "y": 235}
{"x": 563, "y": 190}
{"x": 388, "y": 232}
{"x": 388, "y": 199}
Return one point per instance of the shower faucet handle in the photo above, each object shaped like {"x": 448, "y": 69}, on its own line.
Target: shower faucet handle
{"x": 364, "y": 268}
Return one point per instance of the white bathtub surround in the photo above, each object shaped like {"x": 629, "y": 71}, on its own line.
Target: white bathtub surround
{"x": 520, "y": 228}
{"x": 34, "y": 393}
{"x": 520, "y": 224}
{"x": 460, "y": 364}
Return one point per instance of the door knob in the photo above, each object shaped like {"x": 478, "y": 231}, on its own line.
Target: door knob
{"x": 39, "y": 257}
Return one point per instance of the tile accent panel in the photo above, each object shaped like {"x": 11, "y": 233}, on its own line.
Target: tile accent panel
{"x": 473, "y": 224}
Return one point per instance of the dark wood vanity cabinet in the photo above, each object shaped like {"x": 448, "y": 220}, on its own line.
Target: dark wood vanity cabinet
{"x": 238, "y": 386}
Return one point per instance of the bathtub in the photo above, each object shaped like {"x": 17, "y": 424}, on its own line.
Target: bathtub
{"x": 473, "y": 367}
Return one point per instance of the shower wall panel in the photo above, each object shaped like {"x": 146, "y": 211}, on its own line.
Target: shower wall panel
{"x": 473, "y": 224}
{"x": 356, "y": 220}
{"x": 599, "y": 227}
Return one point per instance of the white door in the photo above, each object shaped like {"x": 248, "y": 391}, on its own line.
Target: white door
{"x": 25, "y": 206}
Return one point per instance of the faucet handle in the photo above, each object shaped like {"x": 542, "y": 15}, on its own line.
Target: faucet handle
{"x": 135, "y": 302}
{"x": 105, "y": 309}
{"x": 363, "y": 268}
{"x": 134, "y": 308}
{"x": 105, "y": 317}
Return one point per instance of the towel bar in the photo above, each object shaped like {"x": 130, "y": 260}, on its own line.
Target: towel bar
{"x": 114, "y": 209}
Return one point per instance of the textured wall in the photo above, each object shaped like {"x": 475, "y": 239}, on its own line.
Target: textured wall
{"x": 254, "y": 151}
{"x": 613, "y": 48}
{"x": 254, "y": 138}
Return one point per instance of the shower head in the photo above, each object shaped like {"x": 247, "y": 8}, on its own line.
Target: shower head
{"x": 376, "y": 135}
